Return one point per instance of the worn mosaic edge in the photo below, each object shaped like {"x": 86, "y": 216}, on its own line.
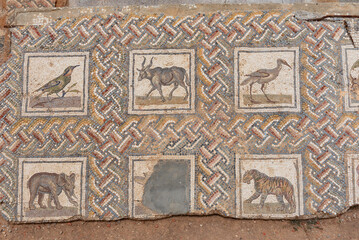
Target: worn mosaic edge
{"x": 35, "y": 16}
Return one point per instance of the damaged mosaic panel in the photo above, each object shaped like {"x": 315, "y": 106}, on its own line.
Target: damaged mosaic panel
{"x": 248, "y": 114}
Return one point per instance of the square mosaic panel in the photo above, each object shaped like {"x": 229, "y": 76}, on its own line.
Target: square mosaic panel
{"x": 274, "y": 193}
{"x": 163, "y": 85}
{"x": 55, "y": 84}
{"x": 250, "y": 114}
{"x": 161, "y": 185}
{"x": 38, "y": 200}
{"x": 258, "y": 91}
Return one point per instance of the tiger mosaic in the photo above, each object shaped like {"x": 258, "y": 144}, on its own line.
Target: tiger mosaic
{"x": 264, "y": 186}
{"x": 275, "y": 178}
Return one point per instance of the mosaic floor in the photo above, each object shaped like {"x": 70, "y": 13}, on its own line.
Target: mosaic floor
{"x": 248, "y": 114}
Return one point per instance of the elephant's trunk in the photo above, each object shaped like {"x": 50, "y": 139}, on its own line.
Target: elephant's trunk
{"x": 70, "y": 195}
{"x": 74, "y": 196}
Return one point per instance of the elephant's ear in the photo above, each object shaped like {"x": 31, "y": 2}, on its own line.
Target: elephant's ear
{"x": 61, "y": 180}
{"x": 72, "y": 177}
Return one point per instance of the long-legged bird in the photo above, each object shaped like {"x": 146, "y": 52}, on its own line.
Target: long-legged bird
{"x": 57, "y": 84}
{"x": 263, "y": 76}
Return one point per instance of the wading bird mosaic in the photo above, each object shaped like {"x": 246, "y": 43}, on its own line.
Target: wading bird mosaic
{"x": 263, "y": 77}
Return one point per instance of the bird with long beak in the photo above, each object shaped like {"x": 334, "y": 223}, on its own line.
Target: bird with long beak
{"x": 263, "y": 76}
{"x": 57, "y": 84}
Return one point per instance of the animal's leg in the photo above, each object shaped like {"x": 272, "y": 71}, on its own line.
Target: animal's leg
{"x": 41, "y": 197}
{"x": 58, "y": 95}
{"x": 33, "y": 192}
{"x": 55, "y": 197}
{"x": 158, "y": 85}
{"x": 152, "y": 89}
{"x": 355, "y": 86}
{"x": 49, "y": 200}
{"x": 280, "y": 200}
{"x": 262, "y": 88}
{"x": 250, "y": 94}
{"x": 48, "y": 97}
{"x": 290, "y": 199}
{"x": 263, "y": 199}
{"x": 185, "y": 88}
{"x": 253, "y": 197}
{"x": 162, "y": 97}
{"x": 174, "y": 88}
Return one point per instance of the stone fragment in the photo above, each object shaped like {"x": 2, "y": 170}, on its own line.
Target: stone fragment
{"x": 14, "y": 4}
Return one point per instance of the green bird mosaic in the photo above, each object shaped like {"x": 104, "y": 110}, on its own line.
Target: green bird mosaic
{"x": 56, "y": 85}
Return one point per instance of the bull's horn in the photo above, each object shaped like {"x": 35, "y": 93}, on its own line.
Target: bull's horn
{"x": 143, "y": 63}
{"x": 150, "y": 63}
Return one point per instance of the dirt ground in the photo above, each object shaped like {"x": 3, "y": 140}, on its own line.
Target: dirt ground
{"x": 190, "y": 227}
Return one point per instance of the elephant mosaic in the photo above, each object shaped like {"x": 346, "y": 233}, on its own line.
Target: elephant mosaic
{"x": 52, "y": 184}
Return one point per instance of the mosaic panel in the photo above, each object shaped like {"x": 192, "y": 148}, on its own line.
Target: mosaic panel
{"x": 274, "y": 192}
{"x": 250, "y": 114}
{"x": 161, "y": 185}
{"x": 60, "y": 74}
{"x": 170, "y": 76}
{"x": 269, "y": 89}
{"x": 51, "y": 188}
